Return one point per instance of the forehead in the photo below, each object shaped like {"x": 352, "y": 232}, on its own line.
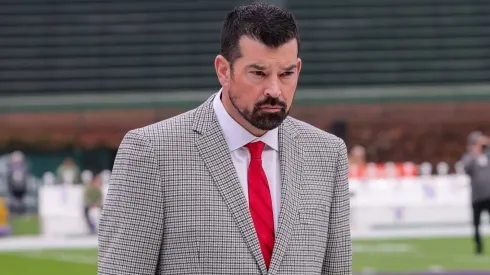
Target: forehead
{"x": 253, "y": 51}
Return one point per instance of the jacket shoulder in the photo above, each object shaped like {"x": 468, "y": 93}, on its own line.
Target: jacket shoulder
{"x": 174, "y": 128}
{"x": 316, "y": 136}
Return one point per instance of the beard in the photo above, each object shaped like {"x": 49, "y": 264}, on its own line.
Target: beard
{"x": 261, "y": 119}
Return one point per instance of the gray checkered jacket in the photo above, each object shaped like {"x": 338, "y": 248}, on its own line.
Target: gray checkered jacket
{"x": 175, "y": 205}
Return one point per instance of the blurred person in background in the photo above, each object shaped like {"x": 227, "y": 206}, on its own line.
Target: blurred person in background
{"x": 4, "y": 217}
{"x": 17, "y": 177}
{"x": 68, "y": 172}
{"x": 357, "y": 161}
{"x": 477, "y": 166}
{"x": 92, "y": 198}
{"x": 200, "y": 193}
{"x": 357, "y": 156}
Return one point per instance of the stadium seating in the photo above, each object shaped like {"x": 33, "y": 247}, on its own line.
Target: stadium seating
{"x": 158, "y": 46}
{"x": 110, "y": 46}
{"x": 360, "y": 42}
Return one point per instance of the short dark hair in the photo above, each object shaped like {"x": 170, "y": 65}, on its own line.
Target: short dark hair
{"x": 262, "y": 22}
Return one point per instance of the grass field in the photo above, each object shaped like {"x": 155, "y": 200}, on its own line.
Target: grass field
{"x": 418, "y": 255}
{"x": 61, "y": 262}
{"x": 22, "y": 226}
{"x": 373, "y": 256}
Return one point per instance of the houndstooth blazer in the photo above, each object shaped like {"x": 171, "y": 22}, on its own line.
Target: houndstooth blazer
{"x": 175, "y": 205}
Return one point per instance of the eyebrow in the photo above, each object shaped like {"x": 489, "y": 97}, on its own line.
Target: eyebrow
{"x": 262, "y": 68}
{"x": 257, "y": 67}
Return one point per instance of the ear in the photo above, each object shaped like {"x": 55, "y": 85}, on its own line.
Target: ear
{"x": 299, "y": 65}
{"x": 223, "y": 70}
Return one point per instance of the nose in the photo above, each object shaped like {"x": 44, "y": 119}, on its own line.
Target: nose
{"x": 273, "y": 88}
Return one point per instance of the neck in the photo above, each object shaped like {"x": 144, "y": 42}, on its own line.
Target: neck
{"x": 237, "y": 116}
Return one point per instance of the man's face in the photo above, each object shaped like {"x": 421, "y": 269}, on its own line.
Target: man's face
{"x": 262, "y": 82}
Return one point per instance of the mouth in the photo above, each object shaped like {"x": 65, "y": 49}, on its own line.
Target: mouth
{"x": 270, "y": 108}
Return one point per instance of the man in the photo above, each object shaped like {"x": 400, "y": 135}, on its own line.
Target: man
{"x": 17, "y": 179}
{"x": 68, "y": 172}
{"x": 92, "y": 198}
{"x": 234, "y": 186}
{"x": 357, "y": 161}
{"x": 477, "y": 166}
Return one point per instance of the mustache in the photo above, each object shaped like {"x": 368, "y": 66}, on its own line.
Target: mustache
{"x": 272, "y": 101}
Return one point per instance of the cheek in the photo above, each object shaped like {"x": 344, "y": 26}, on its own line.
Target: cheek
{"x": 245, "y": 94}
{"x": 246, "y": 90}
{"x": 288, "y": 93}
{"x": 252, "y": 82}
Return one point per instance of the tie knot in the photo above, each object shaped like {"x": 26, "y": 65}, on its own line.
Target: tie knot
{"x": 256, "y": 149}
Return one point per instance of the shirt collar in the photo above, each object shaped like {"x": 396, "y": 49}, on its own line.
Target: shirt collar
{"x": 235, "y": 135}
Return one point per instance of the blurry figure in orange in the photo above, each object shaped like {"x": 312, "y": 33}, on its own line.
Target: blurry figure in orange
{"x": 4, "y": 214}
{"x": 359, "y": 168}
{"x": 357, "y": 161}
{"x": 357, "y": 155}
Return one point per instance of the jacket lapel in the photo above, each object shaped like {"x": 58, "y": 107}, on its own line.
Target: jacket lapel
{"x": 291, "y": 163}
{"x": 214, "y": 151}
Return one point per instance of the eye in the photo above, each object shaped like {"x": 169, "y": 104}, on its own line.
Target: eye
{"x": 287, "y": 73}
{"x": 258, "y": 73}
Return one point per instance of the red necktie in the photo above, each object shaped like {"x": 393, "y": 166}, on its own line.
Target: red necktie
{"x": 260, "y": 201}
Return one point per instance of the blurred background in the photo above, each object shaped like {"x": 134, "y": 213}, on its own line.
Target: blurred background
{"x": 403, "y": 82}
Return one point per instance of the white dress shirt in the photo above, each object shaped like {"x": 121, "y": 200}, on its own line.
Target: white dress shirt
{"x": 236, "y": 138}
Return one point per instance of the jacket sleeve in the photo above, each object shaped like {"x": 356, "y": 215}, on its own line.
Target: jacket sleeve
{"x": 468, "y": 163}
{"x": 338, "y": 257}
{"x": 131, "y": 225}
